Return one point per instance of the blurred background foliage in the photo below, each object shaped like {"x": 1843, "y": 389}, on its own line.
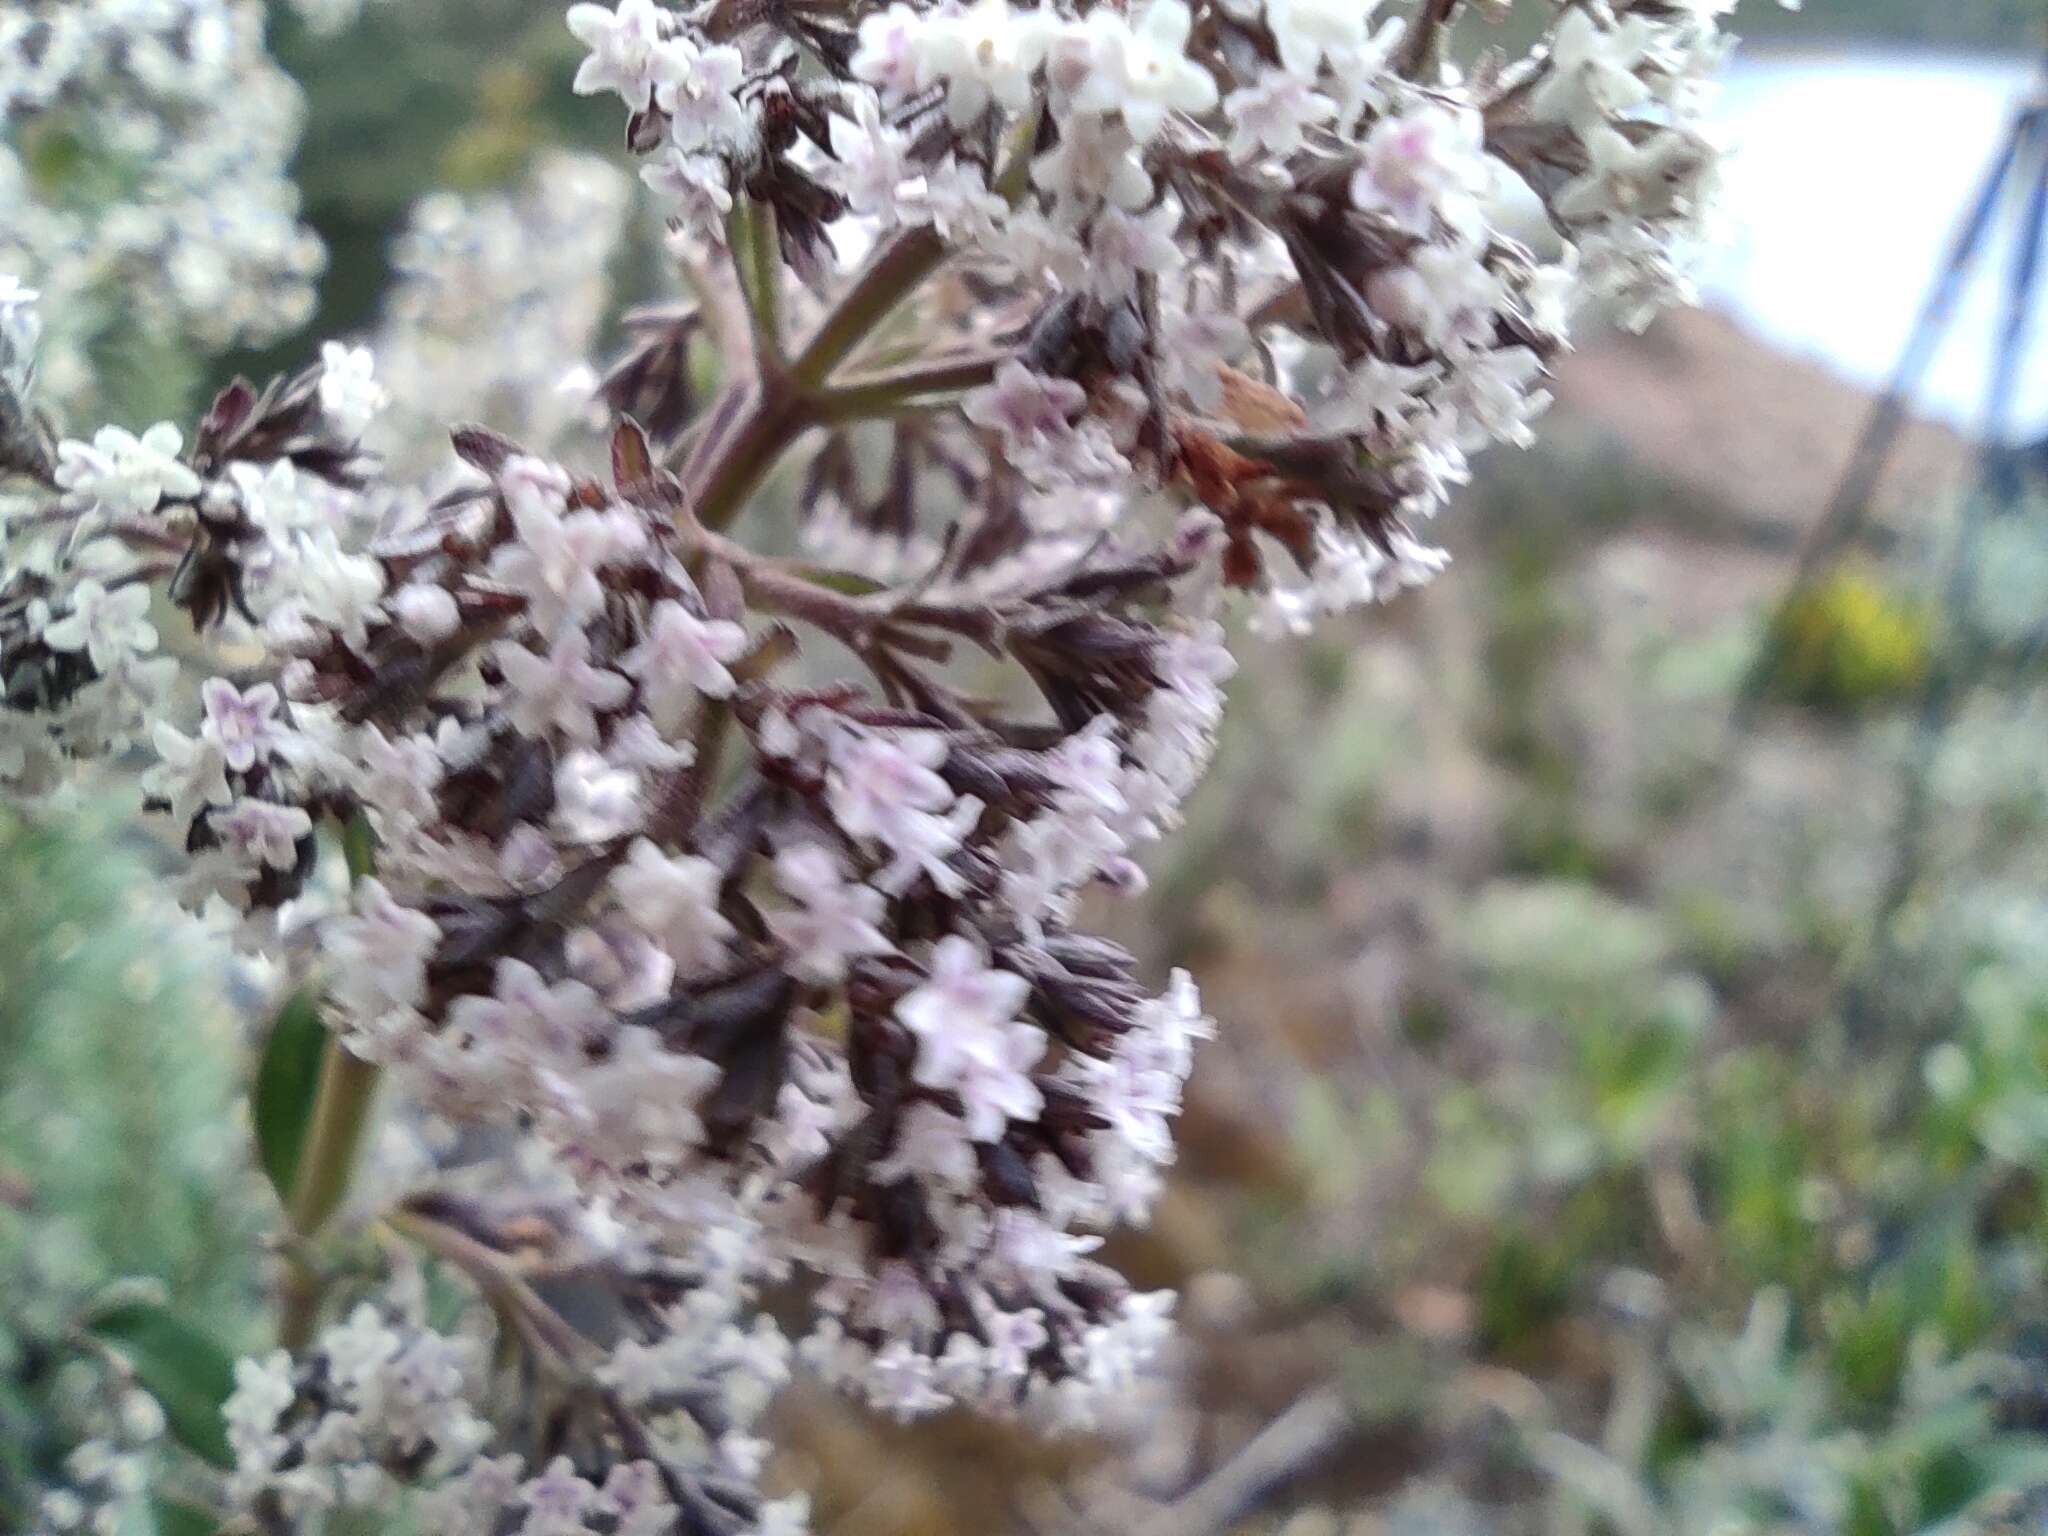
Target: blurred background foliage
{"x": 1543, "y": 1180}
{"x": 122, "y": 1143}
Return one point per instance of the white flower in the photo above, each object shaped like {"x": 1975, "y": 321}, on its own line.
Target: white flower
{"x": 1422, "y": 165}
{"x": 837, "y": 919}
{"x": 1592, "y": 76}
{"x": 882, "y": 786}
{"x": 262, "y": 832}
{"x": 396, "y": 779}
{"x": 931, "y": 1145}
{"x": 1152, "y": 74}
{"x": 1032, "y": 413}
{"x": 1376, "y": 395}
{"x": 20, "y": 330}
{"x": 554, "y": 563}
{"x": 682, "y": 656}
{"x": 273, "y": 498}
{"x": 108, "y": 626}
{"x": 1445, "y": 296}
{"x": 674, "y": 900}
{"x": 890, "y": 55}
{"x": 1628, "y": 180}
{"x": 595, "y": 800}
{"x": 700, "y": 99}
{"x": 359, "y": 1347}
{"x": 961, "y": 997}
{"x": 696, "y": 184}
{"x": 953, "y": 197}
{"x": 870, "y": 162}
{"x": 241, "y": 724}
{"x": 900, "y": 1382}
{"x": 426, "y": 612}
{"x": 634, "y": 1495}
{"x": 784, "y": 1517}
{"x": 1012, "y": 1338}
{"x": 525, "y": 1020}
{"x": 558, "y": 1499}
{"x": 127, "y": 475}
{"x": 263, "y": 1391}
{"x": 190, "y": 774}
{"x": 328, "y": 586}
{"x": 560, "y": 691}
{"x": 350, "y": 395}
{"x": 627, "y": 51}
{"x": 985, "y": 54}
{"x": 1125, "y": 246}
{"x": 1032, "y": 1248}
{"x": 378, "y": 954}
{"x": 1095, "y": 158}
{"x": 1268, "y": 116}
{"x": 1312, "y": 32}
{"x": 964, "y": 1018}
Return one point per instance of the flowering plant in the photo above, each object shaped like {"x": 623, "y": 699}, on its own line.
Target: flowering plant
{"x": 706, "y": 919}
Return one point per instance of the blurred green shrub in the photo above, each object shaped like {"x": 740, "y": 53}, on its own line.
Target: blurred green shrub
{"x": 1849, "y": 643}
{"x": 121, "y": 1153}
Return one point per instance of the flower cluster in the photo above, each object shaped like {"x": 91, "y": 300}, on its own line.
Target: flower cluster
{"x": 839, "y": 1005}
{"x": 1269, "y": 245}
{"x": 744, "y": 893}
{"x": 189, "y": 128}
{"x": 252, "y": 528}
{"x": 382, "y": 1401}
{"x": 369, "y": 1402}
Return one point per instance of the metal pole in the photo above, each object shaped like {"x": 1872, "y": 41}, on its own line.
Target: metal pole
{"x": 1851, "y": 501}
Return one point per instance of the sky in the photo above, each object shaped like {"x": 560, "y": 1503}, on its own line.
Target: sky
{"x": 1850, "y": 174}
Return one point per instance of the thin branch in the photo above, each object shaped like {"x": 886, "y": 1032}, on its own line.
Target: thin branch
{"x": 1422, "y": 50}
{"x": 780, "y": 408}
{"x": 554, "y": 1341}
{"x": 341, "y": 1114}
{"x": 756, "y": 263}
{"x": 866, "y": 396}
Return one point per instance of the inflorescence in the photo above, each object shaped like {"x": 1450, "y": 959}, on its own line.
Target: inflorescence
{"x": 726, "y": 900}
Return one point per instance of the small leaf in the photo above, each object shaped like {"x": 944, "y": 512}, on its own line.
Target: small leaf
{"x": 287, "y": 1080}
{"x": 632, "y": 459}
{"x": 359, "y": 847}
{"x": 483, "y": 449}
{"x": 232, "y": 409}
{"x": 187, "y": 1372}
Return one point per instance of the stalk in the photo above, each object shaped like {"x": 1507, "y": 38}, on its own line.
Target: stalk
{"x": 342, "y": 1106}
{"x": 343, "y": 1103}
{"x": 785, "y": 404}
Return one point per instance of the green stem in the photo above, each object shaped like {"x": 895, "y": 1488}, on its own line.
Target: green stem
{"x": 341, "y": 1116}
{"x": 785, "y": 405}
{"x": 878, "y": 394}
{"x": 889, "y": 279}
{"x": 343, "y": 1102}
{"x": 764, "y": 290}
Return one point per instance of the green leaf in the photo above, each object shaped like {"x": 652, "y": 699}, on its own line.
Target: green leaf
{"x": 187, "y": 1371}
{"x": 287, "y": 1080}
{"x": 181, "y": 1519}
{"x": 359, "y": 847}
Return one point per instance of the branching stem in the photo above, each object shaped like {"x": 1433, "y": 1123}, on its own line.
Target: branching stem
{"x": 783, "y": 404}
